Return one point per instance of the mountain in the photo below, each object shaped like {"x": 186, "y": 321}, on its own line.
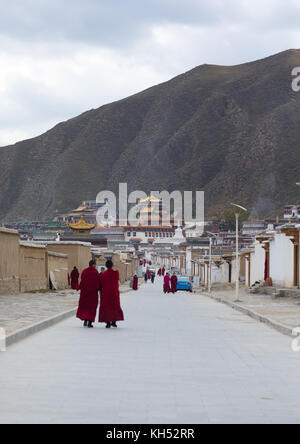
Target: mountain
{"x": 231, "y": 131}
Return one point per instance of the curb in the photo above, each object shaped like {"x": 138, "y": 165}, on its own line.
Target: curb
{"x": 281, "y": 328}
{"x": 39, "y": 326}
{"x": 23, "y": 333}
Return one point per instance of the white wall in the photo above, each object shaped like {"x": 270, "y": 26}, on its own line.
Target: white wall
{"x": 258, "y": 263}
{"x": 282, "y": 261}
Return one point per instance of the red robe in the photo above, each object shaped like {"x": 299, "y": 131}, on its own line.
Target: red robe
{"x": 89, "y": 295}
{"x": 159, "y": 272}
{"x": 174, "y": 281}
{"x": 163, "y": 271}
{"x": 167, "y": 288}
{"x": 135, "y": 283}
{"x": 110, "y": 308}
{"x": 75, "y": 279}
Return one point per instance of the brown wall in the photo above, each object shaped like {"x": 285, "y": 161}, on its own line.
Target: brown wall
{"x": 9, "y": 261}
{"x": 78, "y": 255}
{"x": 32, "y": 267}
{"x": 57, "y": 270}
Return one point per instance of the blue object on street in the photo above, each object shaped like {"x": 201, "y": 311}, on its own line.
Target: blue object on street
{"x": 184, "y": 283}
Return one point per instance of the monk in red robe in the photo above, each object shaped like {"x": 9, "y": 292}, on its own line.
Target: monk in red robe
{"x": 163, "y": 271}
{"x": 110, "y": 307}
{"x": 167, "y": 288}
{"x": 135, "y": 283}
{"x": 159, "y": 272}
{"x": 75, "y": 279}
{"x": 174, "y": 281}
{"x": 89, "y": 295}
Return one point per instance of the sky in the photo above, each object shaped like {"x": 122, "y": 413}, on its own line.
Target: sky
{"x": 59, "y": 58}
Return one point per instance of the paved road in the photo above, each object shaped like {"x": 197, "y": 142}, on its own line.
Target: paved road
{"x": 176, "y": 359}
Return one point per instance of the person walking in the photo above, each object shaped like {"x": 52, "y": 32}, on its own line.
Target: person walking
{"x": 167, "y": 288}
{"x": 152, "y": 276}
{"x": 174, "y": 282}
{"x": 110, "y": 308}
{"x": 75, "y": 279}
{"x": 89, "y": 295}
{"x": 135, "y": 282}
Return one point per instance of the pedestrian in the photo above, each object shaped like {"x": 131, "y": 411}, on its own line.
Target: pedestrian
{"x": 89, "y": 295}
{"x": 146, "y": 277}
{"x": 148, "y": 274}
{"x": 110, "y": 308}
{"x": 159, "y": 272}
{"x": 152, "y": 276}
{"x": 75, "y": 279}
{"x": 174, "y": 282}
{"x": 102, "y": 270}
{"x": 163, "y": 271}
{"x": 135, "y": 282}
{"x": 167, "y": 288}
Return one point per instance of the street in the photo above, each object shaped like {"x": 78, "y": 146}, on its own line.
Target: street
{"x": 177, "y": 359}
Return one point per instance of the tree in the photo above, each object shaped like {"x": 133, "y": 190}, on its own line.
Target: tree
{"x": 229, "y": 217}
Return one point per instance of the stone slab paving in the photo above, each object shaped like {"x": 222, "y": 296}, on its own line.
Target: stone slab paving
{"x": 176, "y": 359}
{"x": 283, "y": 310}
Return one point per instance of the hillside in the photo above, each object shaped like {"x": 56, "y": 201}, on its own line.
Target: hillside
{"x": 232, "y": 131}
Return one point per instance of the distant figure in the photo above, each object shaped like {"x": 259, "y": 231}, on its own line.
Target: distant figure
{"x": 152, "y": 276}
{"x": 89, "y": 295}
{"x": 148, "y": 273}
{"x": 75, "y": 279}
{"x": 110, "y": 308}
{"x": 167, "y": 288}
{"x": 146, "y": 277}
{"x": 163, "y": 271}
{"x": 174, "y": 281}
{"x": 135, "y": 282}
{"x": 159, "y": 272}
{"x": 102, "y": 270}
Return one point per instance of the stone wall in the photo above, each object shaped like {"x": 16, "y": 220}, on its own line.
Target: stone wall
{"x": 9, "y": 261}
{"x": 57, "y": 270}
{"x": 32, "y": 267}
{"x": 79, "y": 254}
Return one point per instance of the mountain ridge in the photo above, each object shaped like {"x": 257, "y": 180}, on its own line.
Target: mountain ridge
{"x": 229, "y": 130}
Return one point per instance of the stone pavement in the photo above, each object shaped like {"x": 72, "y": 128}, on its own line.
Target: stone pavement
{"x": 282, "y": 313}
{"x": 24, "y": 310}
{"x": 178, "y": 359}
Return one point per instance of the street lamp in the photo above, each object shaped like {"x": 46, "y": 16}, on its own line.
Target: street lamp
{"x": 210, "y": 261}
{"x": 237, "y": 280}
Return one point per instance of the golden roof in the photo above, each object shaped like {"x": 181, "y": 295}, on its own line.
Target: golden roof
{"x": 150, "y": 199}
{"x": 82, "y": 225}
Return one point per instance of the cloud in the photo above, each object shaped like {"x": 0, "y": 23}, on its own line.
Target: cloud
{"x": 61, "y": 58}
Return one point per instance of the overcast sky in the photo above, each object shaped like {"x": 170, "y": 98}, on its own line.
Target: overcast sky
{"x": 59, "y": 58}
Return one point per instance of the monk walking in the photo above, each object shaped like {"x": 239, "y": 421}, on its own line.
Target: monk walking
{"x": 167, "y": 288}
{"x": 174, "y": 281}
{"x": 75, "y": 279}
{"x": 110, "y": 308}
{"x": 89, "y": 295}
{"x": 135, "y": 283}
